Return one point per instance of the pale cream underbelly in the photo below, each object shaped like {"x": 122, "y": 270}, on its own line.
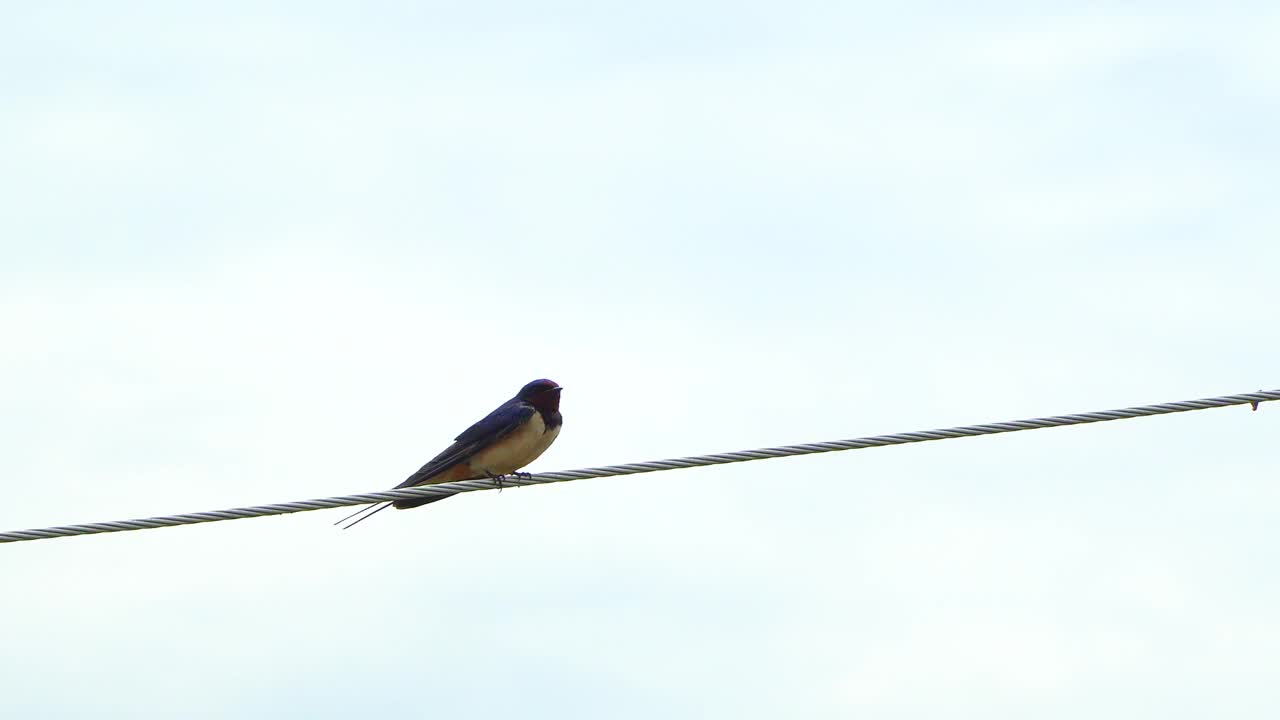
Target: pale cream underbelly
{"x": 516, "y": 450}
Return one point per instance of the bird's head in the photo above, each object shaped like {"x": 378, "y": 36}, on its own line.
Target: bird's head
{"x": 542, "y": 394}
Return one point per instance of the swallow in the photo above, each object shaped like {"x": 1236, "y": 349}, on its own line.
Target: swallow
{"x": 505, "y": 440}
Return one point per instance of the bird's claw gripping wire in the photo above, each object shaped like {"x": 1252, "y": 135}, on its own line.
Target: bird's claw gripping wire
{"x": 499, "y": 481}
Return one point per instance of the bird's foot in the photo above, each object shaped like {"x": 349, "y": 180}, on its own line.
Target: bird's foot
{"x": 522, "y": 476}
{"x": 497, "y": 480}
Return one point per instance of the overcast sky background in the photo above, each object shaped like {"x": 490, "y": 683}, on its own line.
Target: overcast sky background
{"x": 254, "y": 252}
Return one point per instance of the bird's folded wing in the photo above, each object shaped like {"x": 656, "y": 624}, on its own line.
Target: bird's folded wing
{"x": 495, "y": 426}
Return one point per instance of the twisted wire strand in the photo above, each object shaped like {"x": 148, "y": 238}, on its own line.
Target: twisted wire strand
{"x": 643, "y": 467}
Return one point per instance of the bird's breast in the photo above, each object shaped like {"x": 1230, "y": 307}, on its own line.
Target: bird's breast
{"x": 517, "y": 449}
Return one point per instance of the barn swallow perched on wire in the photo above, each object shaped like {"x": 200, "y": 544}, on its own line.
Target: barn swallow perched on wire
{"x": 504, "y": 441}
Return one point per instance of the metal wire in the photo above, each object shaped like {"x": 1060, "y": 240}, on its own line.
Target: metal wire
{"x": 643, "y": 467}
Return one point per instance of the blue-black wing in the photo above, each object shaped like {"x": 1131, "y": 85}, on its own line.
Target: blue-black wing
{"x": 492, "y": 428}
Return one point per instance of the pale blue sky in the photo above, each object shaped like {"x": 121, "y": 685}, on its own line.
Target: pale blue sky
{"x": 261, "y": 252}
